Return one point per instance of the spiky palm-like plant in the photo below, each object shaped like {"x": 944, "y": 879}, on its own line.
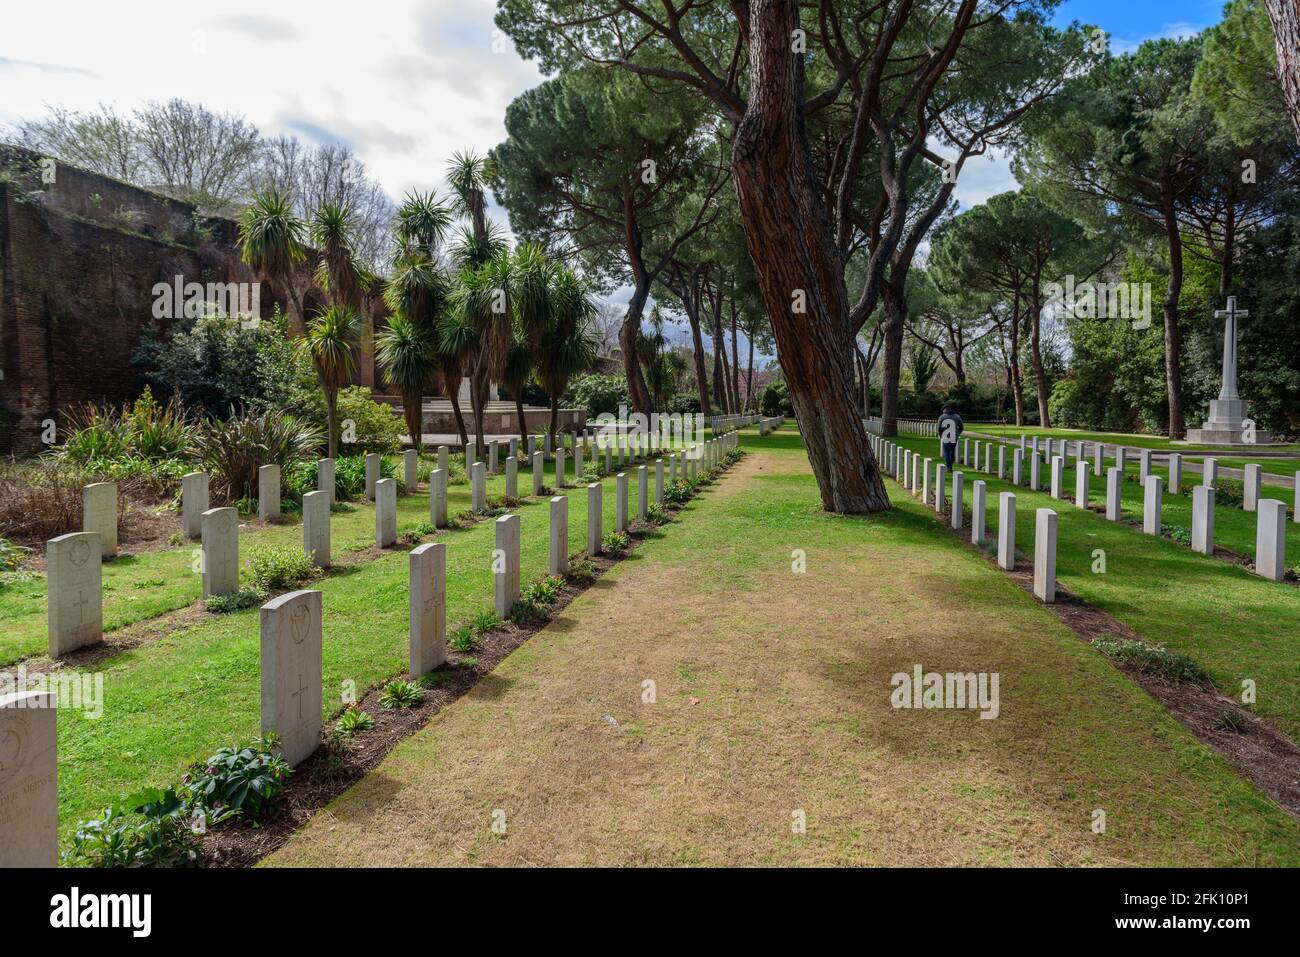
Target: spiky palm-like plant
{"x": 338, "y": 273}
{"x": 518, "y": 372}
{"x": 568, "y": 346}
{"x": 425, "y": 220}
{"x": 406, "y": 351}
{"x": 272, "y": 239}
{"x": 330, "y": 343}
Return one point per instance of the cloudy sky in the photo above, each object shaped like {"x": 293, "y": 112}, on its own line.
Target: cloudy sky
{"x": 404, "y": 83}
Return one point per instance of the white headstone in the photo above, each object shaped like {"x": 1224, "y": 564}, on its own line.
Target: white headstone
{"x": 539, "y": 473}
{"x": 1203, "y": 519}
{"x": 1270, "y": 539}
{"x": 493, "y": 456}
{"x": 659, "y": 481}
{"x": 438, "y": 498}
{"x": 194, "y": 502}
{"x": 268, "y": 492}
{"x": 29, "y": 779}
{"x": 220, "y": 551}
{"x": 1098, "y": 458}
{"x": 512, "y": 477}
{"x": 1082, "y": 474}
{"x": 1121, "y": 460}
{"x": 595, "y": 514}
{"x": 979, "y": 497}
{"x": 325, "y": 481}
{"x": 385, "y": 512}
{"x": 1210, "y": 472}
{"x": 372, "y": 474}
{"x": 1002, "y": 461}
{"x": 620, "y": 502}
{"x": 1152, "y": 504}
{"x": 410, "y": 470}
{"x": 578, "y": 465}
{"x": 428, "y": 594}
{"x": 1007, "y": 530}
{"x": 1251, "y": 494}
{"x": 1175, "y": 473}
{"x": 1035, "y": 465}
{"x": 478, "y": 487}
{"x": 1045, "y": 555}
{"x": 1296, "y": 508}
{"x": 74, "y": 586}
{"x": 1017, "y": 466}
{"x": 642, "y": 492}
{"x": 561, "y": 478}
{"x": 1058, "y": 471}
{"x": 99, "y": 515}
{"x": 958, "y": 497}
{"x": 940, "y": 480}
{"x": 1144, "y": 465}
{"x": 558, "y": 561}
{"x": 444, "y": 456}
{"x": 291, "y": 672}
{"x": 1114, "y": 497}
{"x": 316, "y": 528}
{"x": 506, "y": 561}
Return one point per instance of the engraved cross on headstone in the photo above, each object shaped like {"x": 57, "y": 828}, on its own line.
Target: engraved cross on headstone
{"x": 81, "y": 603}
{"x": 1229, "y": 315}
{"x": 302, "y": 686}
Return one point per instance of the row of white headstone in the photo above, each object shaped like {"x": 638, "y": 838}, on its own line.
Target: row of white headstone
{"x": 1270, "y": 535}
{"x": 292, "y": 679}
{"x": 771, "y": 424}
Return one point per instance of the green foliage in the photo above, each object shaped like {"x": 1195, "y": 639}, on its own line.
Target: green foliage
{"x": 923, "y": 363}
{"x": 655, "y": 514}
{"x": 401, "y": 694}
{"x": 240, "y": 780}
{"x": 232, "y": 451}
{"x": 117, "y": 839}
{"x": 1168, "y": 664}
{"x": 277, "y": 567}
{"x": 378, "y": 427}
{"x": 484, "y": 621}
{"x": 775, "y": 400}
{"x": 679, "y": 492}
{"x": 597, "y": 393}
{"x": 581, "y": 571}
{"x": 235, "y": 601}
{"x": 616, "y": 544}
{"x": 11, "y": 556}
{"x": 463, "y": 639}
{"x": 353, "y": 721}
{"x": 535, "y": 598}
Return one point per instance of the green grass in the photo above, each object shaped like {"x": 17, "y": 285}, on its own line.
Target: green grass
{"x": 1234, "y": 624}
{"x": 174, "y": 700}
{"x": 773, "y": 693}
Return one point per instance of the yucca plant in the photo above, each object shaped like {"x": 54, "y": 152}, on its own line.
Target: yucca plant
{"x": 232, "y": 451}
{"x": 406, "y": 351}
{"x": 344, "y": 280}
{"x": 330, "y": 343}
{"x": 568, "y": 345}
{"x": 273, "y": 241}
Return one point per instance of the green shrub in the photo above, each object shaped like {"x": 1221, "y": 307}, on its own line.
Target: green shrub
{"x": 464, "y": 639}
{"x": 232, "y": 451}
{"x": 678, "y": 493}
{"x": 485, "y": 621}
{"x": 277, "y": 567}
{"x": 401, "y": 694}
{"x": 1178, "y": 533}
{"x": 1169, "y": 664}
{"x": 376, "y": 425}
{"x": 11, "y": 555}
{"x": 597, "y": 393}
{"x": 353, "y": 721}
{"x": 581, "y": 571}
{"x": 655, "y": 514}
{"x": 244, "y": 779}
{"x": 615, "y": 543}
{"x": 116, "y": 839}
{"x": 235, "y": 601}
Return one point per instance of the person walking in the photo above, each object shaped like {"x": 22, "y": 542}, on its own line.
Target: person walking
{"x": 950, "y": 427}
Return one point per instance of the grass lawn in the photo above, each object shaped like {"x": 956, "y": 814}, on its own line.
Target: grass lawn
{"x": 174, "y": 700}
{"x": 772, "y": 696}
{"x": 1235, "y": 624}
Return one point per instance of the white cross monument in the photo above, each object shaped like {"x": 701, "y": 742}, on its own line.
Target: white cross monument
{"x": 1226, "y": 424}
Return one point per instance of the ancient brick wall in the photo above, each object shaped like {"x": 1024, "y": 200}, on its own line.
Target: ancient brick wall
{"x": 79, "y": 258}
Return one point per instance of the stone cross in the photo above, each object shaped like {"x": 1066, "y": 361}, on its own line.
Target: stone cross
{"x": 268, "y": 492}
{"x": 595, "y": 514}
{"x": 99, "y": 515}
{"x": 291, "y": 672}
{"x": 428, "y": 597}
{"x": 386, "y": 512}
{"x": 558, "y": 557}
{"x": 316, "y": 528}
{"x": 75, "y": 592}
{"x": 1228, "y": 389}
{"x": 220, "y": 551}
{"x": 507, "y": 572}
{"x": 194, "y": 502}
{"x": 438, "y": 497}
{"x": 29, "y": 779}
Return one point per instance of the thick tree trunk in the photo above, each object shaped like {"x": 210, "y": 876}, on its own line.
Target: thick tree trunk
{"x": 627, "y": 336}
{"x": 749, "y": 379}
{"x": 1017, "y": 384}
{"x": 895, "y": 314}
{"x": 789, "y": 238}
{"x": 452, "y": 390}
{"x": 523, "y": 421}
{"x": 1285, "y": 17}
{"x": 701, "y": 378}
{"x": 413, "y": 411}
{"x": 555, "y": 419}
{"x": 1173, "y": 337}
{"x": 1036, "y": 356}
{"x": 735, "y": 365}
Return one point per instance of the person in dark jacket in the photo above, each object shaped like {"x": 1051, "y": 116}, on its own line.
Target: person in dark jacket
{"x": 950, "y": 427}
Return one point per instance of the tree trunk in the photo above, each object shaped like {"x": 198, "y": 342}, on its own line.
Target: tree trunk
{"x": 895, "y": 315}
{"x": 749, "y": 378}
{"x": 452, "y": 389}
{"x": 555, "y": 419}
{"x": 637, "y": 392}
{"x": 1285, "y": 17}
{"x": 413, "y": 412}
{"x": 332, "y": 420}
{"x": 523, "y": 421}
{"x": 789, "y": 238}
{"x": 1036, "y": 356}
{"x": 1173, "y": 337}
{"x": 735, "y": 365}
{"x": 1017, "y": 384}
{"x": 701, "y": 378}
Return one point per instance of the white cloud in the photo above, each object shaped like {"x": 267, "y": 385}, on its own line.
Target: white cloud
{"x": 403, "y": 88}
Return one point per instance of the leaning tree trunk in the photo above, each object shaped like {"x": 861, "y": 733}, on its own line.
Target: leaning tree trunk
{"x": 789, "y": 238}
{"x": 1285, "y": 17}
{"x": 627, "y": 336}
{"x": 455, "y": 408}
{"x": 413, "y": 409}
{"x": 555, "y": 419}
{"x": 519, "y": 409}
